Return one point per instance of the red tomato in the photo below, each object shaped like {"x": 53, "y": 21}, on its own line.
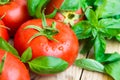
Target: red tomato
{"x": 13, "y": 68}
{"x": 3, "y": 31}
{"x": 52, "y": 5}
{"x": 68, "y": 17}
{"x": 15, "y": 13}
{"x": 65, "y": 48}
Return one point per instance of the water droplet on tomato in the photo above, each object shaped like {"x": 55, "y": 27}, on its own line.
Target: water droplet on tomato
{"x": 61, "y": 48}
{"x": 46, "y": 48}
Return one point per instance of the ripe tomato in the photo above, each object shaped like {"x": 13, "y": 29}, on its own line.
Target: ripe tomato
{"x": 3, "y": 31}
{"x": 13, "y": 68}
{"x": 66, "y": 46}
{"x": 15, "y": 12}
{"x": 66, "y": 16}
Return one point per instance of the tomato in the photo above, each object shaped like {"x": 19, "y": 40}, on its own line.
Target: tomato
{"x": 66, "y": 47}
{"x": 3, "y": 31}
{"x": 15, "y": 13}
{"x": 13, "y": 68}
{"x": 68, "y": 17}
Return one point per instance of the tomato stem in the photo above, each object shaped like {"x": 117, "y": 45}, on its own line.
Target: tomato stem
{"x": 3, "y": 2}
{"x": 2, "y": 62}
{"x": 47, "y": 31}
{"x": 70, "y": 17}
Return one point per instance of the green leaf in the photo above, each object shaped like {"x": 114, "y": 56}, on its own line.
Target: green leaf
{"x": 113, "y": 69}
{"x": 27, "y": 55}
{"x": 91, "y": 16}
{"x": 99, "y": 47}
{"x": 47, "y": 65}
{"x": 35, "y": 7}
{"x": 82, "y": 29}
{"x": 94, "y": 32}
{"x": 70, "y": 5}
{"x": 89, "y": 64}
{"x": 118, "y": 37}
{"x": 9, "y": 48}
{"x": 110, "y": 26}
{"x": 107, "y": 8}
{"x": 86, "y": 3}
{"x": 110, "y": 57}
{"x": 2, "y": 62}
{"x": 32, "y": 5}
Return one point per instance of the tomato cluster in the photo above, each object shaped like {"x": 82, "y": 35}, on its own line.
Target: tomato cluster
{"x": 47, "y": 41}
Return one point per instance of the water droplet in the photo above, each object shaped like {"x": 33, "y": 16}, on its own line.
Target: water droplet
{"x": 46, "y": 48}
{"x": 61, "y": 48}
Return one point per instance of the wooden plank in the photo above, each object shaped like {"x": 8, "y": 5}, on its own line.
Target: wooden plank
{"x": 89, "y": 75}
{"x": 112, "y": 46}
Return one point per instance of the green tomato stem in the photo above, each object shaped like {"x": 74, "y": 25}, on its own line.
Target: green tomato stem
{"x": 2, "y": 62}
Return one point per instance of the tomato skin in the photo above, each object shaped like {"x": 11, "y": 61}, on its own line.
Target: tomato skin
{"x": 66, "y": 47}
{"x": 53, "y": 4}
{"x": 3, "y": 31}
{"x": 13, "y": 68}
{"x": 15, "y": 14}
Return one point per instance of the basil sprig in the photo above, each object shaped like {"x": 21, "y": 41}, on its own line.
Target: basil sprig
{"x": 102, "y": 23}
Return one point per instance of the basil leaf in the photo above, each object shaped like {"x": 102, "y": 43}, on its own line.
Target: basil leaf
{"x": 6, "y": 46}
{"x": 27, "y": 55}
{"x": 107, "y": 8}
{"x": 82, "y": 29}
{"x": 118, "y": 37}
{"x": 113, "y": 69}
{"x": 32, "y": 5}
{"x": 35, "y": 7}
{"x": 89, "y": 64}
{"x": 91, "y": 16}
{"x": 47, "y": 65}
{"x": 86, "y": 3}
{"x": 110, "y": 26}
{"x": 99, "y": 47}
{"x": 70, "y": 5}
{"x": 110, "y": 57}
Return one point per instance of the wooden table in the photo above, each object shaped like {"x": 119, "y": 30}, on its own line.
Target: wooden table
{"x": 75, "y": 73}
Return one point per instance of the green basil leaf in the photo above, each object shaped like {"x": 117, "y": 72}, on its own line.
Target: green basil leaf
{"x": 110, "y": 26}
{"x": 87, "y": 46}
{"x": 113, "y": 69}
{"x": 82, "y": 29}
{"x": 110, "y": 57}
{"x": 91, "y": 16}
{"x": 107, "y": 8}
{"x": 27, "y": 55}
{"x": 70, "y": 5}
{"x": 94, "y": 32}
{"x": 99, "y": 47}
{"x": 47, "y": 65}
{"x": 6, "y": 46}
{"x": 32, "y": 5}
{"x": 117, "y": 37}
{"x": 86, "y": 3}
{"x": 35, "y": 7}
{"x": 89, "y": 64}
